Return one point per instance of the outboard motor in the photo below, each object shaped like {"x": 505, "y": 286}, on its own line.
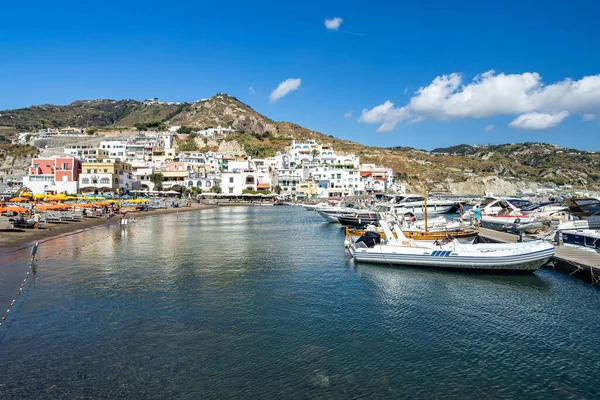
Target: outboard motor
{"x": 370, "y": 239}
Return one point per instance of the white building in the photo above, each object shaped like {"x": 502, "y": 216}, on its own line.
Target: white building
{"x": 115, "y": 148}
{"x": 236, "y": 182}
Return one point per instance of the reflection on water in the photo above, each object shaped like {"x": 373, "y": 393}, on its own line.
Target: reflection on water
{"x": 262, "y": 302}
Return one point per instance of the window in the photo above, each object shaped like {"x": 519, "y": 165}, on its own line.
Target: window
{"x": 105, "y": 170}
{"x": 231, "y": 179}
{"x": 230, "y": 190}
{"x": 207, "y": 183}
{"x": 65, "y": 165}
{"x": 104, "y": 181}
{"x": 85, "y": 181}
{"x": 89, "y": 171}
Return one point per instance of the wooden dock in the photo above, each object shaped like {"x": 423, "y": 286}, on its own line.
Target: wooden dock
{"x": 567, "y": 259}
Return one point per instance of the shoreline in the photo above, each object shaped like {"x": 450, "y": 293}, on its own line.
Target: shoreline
{"x": 17, "y": 239}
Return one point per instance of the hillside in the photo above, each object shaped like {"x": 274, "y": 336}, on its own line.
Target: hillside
{"x": 461, "y": 168}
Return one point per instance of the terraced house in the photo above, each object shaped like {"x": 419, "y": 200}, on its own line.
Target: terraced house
{"x": 107, "y": 176}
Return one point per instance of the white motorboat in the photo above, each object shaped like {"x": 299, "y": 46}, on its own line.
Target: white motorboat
{"x": 331, "y": 213}
{"x": 527, "y": 256}
{"x": 492, "y": 205}
{"x": 416, "y": 204}
{"x": 313, "y": 207}
{"x": 591, "y": 222}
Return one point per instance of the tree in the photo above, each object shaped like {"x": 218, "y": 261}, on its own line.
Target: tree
{"x": 178, "y": 188}
{"x": 216, "y": 189}
{"x": 157, "y": 178}
{"x": 184, "y": 129}
{"x": 91, "y": 130}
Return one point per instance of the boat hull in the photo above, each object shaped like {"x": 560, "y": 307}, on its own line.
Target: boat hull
{"x": 382, "y": 254}
{"x": 431, "y": 209}
{"x": 328, "y": 216}
{"x": 589, "y": 239}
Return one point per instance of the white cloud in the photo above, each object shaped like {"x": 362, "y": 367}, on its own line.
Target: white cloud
{"x": 289, "y": 85}
{"x": 488, "y": 128}
{"x": 536, "y": 121}
{"x": 333, "y": 24}
{"x": 385, "y": 114}
{"x": 405, "y": 90}
{"x": 348, "y": 114}
{"x": 589, "y": 117}
{"x": 251, "y": 90}
{"x": 447, "y": 98}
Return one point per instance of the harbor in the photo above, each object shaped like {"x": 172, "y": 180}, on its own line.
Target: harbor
{"x": 280, "y": 310}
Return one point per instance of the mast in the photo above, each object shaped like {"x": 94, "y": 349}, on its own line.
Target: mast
{"x": 425, "y": 207}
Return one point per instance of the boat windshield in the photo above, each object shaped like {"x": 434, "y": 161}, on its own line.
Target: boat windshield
{"x": 540, "y": 205}
{"x": 486, "y": 202}
{"x": 410, "y": 199}
{"x": 519, "y": 203}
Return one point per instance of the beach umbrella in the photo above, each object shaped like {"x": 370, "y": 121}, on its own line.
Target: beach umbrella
{"x": 13, "y": 209}
{"x": 102, "y": 204}
{"x": 83, "y": 205}
{"x": 39, "y": 196}
{"x": 19, "y": 199}
{"x": 26, "y": 194}
{"x": 62, "y": 206}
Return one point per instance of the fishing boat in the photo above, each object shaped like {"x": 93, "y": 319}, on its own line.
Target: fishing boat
{"x": 449, "y": 253}
{"x": 417, "y": 234}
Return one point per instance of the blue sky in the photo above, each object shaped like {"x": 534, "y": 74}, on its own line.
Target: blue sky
{"x": 545, "y": 85}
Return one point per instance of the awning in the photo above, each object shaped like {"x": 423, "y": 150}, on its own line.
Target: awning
{"x": 263, "y": 186}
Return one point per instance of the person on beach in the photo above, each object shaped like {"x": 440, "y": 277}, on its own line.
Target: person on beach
{"x": 477, "y": 214}
{"x": 36, "y": 221}
{"x": 461, "y": 208}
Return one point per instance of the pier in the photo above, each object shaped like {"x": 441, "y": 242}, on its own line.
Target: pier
{"x": 567, "y": 259}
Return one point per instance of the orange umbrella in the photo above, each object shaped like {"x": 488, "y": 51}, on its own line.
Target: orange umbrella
{"x": 13, "y": 208}
{"x": 83, "y": 205}
{"x": 62, "y": 206}
{"x": 19, "y": 199}
{"x": 102, "y": 204}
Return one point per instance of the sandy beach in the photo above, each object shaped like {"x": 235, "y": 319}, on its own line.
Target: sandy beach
{"x": 12, "y": 239}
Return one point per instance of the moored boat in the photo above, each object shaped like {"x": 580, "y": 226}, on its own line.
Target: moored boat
{"x": 420, "y": 235}
{"x": 527, "y": 256}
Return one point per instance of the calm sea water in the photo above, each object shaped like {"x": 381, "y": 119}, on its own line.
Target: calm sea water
{"x": 262, "y": 302}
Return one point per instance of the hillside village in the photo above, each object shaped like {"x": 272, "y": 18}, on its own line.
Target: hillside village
{"x": 223, "y": 128}
{"x": 151, "y": 162}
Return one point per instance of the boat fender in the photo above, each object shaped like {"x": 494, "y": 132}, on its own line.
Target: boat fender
{"x": 517, "y": 220}
{"x": 346, "y": 243}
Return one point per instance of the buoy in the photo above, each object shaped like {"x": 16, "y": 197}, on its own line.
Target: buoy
{"x": 3, "y": 318}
